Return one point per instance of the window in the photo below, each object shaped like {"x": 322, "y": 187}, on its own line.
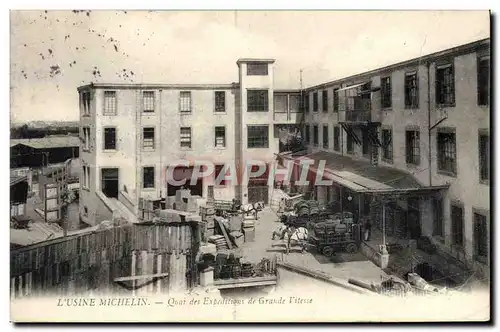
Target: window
{"x": 185, "y": 137}
{"x": 109, "y": 138}
{"x": 85, "y": 103}
{"x": 387, "y": 144}
{"x": 86, "y": 177}
{"x": 109, "y": 102}
{"x": 220, "y": 101}
{"x": 305, "y": 104}
{"x": 315, "y": 135}
{"x": 85, "y": 211}
{"x": 324, "y": 95}
{"x": 336, "y": 138}
{"x": 483, "y": 81}
{"x": 83, "y": 177}
{"x": 148, "y": 101}
{"x": 411, "y": 90}
{"x": 349, "y": 144}
{"x": 148, "y": 138}
{"x": 438, "y": 217}
{"x": 185, "y": 102}
{"x": 148, "y": 177}
{"x": 447, "y": 152}
{"x": 257, "y": 100}
{"x": 457, "y": 225}
{"x": 258, "y": 136}
{"x": 413, "y": 147}
{"x": 218, "y": 170}
{"x": 445, "y": 85}
{"x": 325, "y": 136}
{"x": 336, "y": 100}
{"x": 294, "y": 103}
{"x": 386, "y": 92}
{"x": 484, "y": 157}
{"x": 315, "y": 102}
{"x": 257, "y": 69}
{"x": 210, "y": 192}
{"x": 480, "y": 237}
{"x": 307, "y": 135}
{"x": 86, "y": 138}
{"x": 366, "y": 143}
{"x": 280, "y": 103}
{"x": 220, "y": 137}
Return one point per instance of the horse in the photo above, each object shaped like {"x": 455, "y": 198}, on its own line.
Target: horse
{"x": 292, "y": 236}
{"x": 254, "y": 209}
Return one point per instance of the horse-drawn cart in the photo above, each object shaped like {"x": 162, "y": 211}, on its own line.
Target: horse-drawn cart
{"x": 339, "y": 238}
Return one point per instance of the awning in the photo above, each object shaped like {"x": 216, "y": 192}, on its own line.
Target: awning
{"x": 360, "y": 176}
{"x": 352, "y": 86}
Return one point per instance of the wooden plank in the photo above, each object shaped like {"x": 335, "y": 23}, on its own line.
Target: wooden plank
{"x": 250, "y": 280}
{"x": 243, "y": 282}
{"x": 223, "y": 229}
{"x": 145, "y": 276}
{"x": 317, "y": 275}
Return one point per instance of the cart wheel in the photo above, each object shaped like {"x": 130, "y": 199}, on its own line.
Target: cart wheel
{"x": 351, "y": 248}
{"x": 328, "y": 251}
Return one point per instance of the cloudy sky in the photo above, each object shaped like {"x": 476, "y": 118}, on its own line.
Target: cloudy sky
{"x": 54, "y": 52}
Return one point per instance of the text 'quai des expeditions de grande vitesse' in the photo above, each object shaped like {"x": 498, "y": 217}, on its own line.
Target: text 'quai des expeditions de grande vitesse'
{"x": 178, "y": 302}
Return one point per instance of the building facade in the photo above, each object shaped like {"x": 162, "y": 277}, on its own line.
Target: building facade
{"x": 429, "y": 117}
{"x": 132, "y": 133}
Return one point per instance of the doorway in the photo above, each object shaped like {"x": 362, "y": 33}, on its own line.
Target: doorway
{"x": 110, "y": 183}
{"x": 413, "y": 218}
{"x": 185, "y": 173}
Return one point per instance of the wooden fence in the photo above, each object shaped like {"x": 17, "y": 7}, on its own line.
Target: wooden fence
{"x": 84, "y": 262}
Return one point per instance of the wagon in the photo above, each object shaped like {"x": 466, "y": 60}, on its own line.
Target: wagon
{"x": 329, "y": 242}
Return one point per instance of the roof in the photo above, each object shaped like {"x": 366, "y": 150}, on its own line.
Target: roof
{"x": 16, "y": 179}
{"x": 254, "y": 60}
{"x": 37, "y": 232}
{"x": 457, "y": 50}
{"x": 152, "y": 86}
{"x": 49, "y": 142}
{"x": 361, "y": 175}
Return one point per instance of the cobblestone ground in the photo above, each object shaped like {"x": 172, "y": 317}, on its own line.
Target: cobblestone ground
{"x": 342, "y": 266}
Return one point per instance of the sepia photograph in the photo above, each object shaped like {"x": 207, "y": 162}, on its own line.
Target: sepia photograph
{"x": 250, "y": 166}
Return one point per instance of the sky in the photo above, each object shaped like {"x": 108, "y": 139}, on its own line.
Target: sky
{"x": 54, "y": 52}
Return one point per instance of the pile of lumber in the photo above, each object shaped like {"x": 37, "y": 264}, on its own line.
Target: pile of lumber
{"x": 219, "y": 241}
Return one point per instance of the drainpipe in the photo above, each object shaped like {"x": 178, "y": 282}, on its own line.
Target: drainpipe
{"x": 161, "y": 151}
{"x": 428, "y": 65}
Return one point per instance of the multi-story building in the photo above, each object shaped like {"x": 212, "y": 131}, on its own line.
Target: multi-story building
{"x": 428, "y": 117}
{"x": 131, "y": 133}
{"x": 422, "y": 124}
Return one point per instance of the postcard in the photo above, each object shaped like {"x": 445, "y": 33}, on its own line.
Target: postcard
{"x": 250, "y": 166}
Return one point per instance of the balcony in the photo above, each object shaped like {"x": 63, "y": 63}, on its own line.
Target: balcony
{"x": 358, "y": 110}
{"x": 358, "y": 116}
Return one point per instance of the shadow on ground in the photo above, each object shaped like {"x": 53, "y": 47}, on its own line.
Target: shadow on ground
{"x": 339, "y": 258}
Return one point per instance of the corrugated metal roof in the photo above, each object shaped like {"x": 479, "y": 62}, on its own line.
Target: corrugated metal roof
{"x": 17, "y": 179}
{"x": 49, "y": 142}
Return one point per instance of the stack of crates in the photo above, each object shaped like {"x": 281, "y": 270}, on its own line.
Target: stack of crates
{"x": 208, "y": 217}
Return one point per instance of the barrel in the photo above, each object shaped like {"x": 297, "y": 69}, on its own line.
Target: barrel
{"x": 246, "y": 270}
{"x": 340, "y": 228}
{"x": 225, "y": 272}
{"x": 236, "y": 271}
{"x": 221, "y": 259}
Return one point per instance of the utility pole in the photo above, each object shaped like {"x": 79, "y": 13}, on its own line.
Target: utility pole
{"x": 301, "y": 81}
